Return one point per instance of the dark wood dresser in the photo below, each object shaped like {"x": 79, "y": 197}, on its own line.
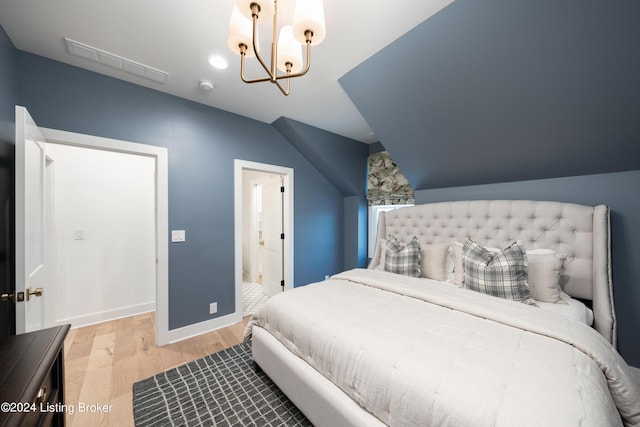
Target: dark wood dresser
{"x": 32, "y": 378}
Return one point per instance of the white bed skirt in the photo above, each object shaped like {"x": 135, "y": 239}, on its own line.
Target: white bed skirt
{"x": 323, "y": 403}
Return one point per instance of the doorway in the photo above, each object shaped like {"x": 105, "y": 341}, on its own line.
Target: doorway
{"x": 101, "y": 225}
{"x": 159, "y": 158}
{"x": 262, "y": 262}
{"x": 263, "y": 232}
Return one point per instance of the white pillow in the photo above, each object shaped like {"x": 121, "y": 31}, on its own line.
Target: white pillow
{"x": 451, "y": 263}
{"x": 433, "y": 261}
{"x": 458, "y": 263}
{"x": 544, "y": 275}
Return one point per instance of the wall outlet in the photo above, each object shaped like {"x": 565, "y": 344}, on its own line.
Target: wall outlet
{"x": 178, "y": 236}
{"x": 326, "y": 277}
{"x": 213, "y": 308}
{"x": 78, "y": 234}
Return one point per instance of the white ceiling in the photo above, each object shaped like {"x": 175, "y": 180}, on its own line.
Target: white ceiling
{"x": 179, "y": 36}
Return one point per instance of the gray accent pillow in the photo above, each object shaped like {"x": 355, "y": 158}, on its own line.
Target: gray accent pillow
{"x": 501, "y": 274}
{"x": 402, "y": 259}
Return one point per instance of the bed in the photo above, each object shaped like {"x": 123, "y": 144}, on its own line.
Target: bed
{"x": 375, "y": 347}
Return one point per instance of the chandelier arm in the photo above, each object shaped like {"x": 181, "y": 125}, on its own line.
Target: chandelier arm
{"x": 244, "y": 79}
{"x": 255, "y": 48}
{"x": 285, "y": 93}
{"x": 274, "y": 44}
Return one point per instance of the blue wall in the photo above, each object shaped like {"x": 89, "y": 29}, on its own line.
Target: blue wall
{"x": 617, "y": 190}
{"x": 339, "y": 159}
{"x": 376, "y": 147}
{"x": 347, "y": 176}
{"x": 202, "y": 143}
{"x": 7, "y": 88}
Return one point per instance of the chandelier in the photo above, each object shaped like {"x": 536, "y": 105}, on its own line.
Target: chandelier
{"x": 286, "y": 55}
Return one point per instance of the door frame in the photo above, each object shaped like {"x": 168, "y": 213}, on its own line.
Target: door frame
{"x": 287, "y": 173}
{"x": 51, "y": 306}
{"x": 160, "y": 155}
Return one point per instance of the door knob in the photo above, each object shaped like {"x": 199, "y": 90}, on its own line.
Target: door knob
{"x": 36, "y": 292}
{"x": 17, "y": 297}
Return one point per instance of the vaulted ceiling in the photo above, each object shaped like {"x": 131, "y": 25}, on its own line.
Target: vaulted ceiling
{"x": 497, "y": 91}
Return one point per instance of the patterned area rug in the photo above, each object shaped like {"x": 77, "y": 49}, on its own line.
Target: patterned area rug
{"x": 221, "y": 389}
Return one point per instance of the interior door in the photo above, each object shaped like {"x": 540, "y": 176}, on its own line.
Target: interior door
{"x": 7, "y": 257}
{"x": 30, "y": 224}
{"x": 272, "y": 273}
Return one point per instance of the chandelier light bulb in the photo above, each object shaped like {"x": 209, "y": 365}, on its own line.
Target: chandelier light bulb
{"x": 309, "y": 15}
{"x": 289, "y": 50}
{"x": 240, "y": 32}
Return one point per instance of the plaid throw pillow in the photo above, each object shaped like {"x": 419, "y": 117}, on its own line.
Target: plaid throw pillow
{"x": 501, "y": 274}
{"x": 402, "y": 259}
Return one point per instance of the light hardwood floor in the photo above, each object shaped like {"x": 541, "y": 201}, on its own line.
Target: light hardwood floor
{"x": 103, "y": 361}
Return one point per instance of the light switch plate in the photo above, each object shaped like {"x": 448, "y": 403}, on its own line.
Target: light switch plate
{"x": 178, "y": 236}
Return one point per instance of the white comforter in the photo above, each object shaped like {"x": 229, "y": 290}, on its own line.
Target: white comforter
{"x": 414, "y": 352}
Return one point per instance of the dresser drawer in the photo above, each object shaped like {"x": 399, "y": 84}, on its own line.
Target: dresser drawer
{"x": 32, "y": 378}
{"x": 41, "y": 410}
{"x": 46, "y": 403}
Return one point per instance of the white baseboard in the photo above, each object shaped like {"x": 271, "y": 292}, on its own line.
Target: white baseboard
{"x": 108, "y": 315}
{"x": 174, "y": 335}
{"x": 179, "y": 334}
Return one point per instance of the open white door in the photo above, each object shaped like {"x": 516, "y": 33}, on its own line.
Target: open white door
{"x": 30, "y": 224}
{"x": 285, "y": 202}
{"x": 272, "y": 267}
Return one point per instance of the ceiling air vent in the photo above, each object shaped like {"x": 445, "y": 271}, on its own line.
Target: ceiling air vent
{"x": 114, "y": 61}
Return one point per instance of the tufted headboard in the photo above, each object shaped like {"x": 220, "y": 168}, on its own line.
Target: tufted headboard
{"x": 580, "y": 232}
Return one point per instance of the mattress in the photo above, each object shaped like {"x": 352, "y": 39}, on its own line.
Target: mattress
{"x": 414, "y": 352}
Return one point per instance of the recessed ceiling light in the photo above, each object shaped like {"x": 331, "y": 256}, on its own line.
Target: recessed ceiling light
{"x": 218, "y": 62}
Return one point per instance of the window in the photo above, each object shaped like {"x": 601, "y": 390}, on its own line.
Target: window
{"x": 387, "y": 189}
